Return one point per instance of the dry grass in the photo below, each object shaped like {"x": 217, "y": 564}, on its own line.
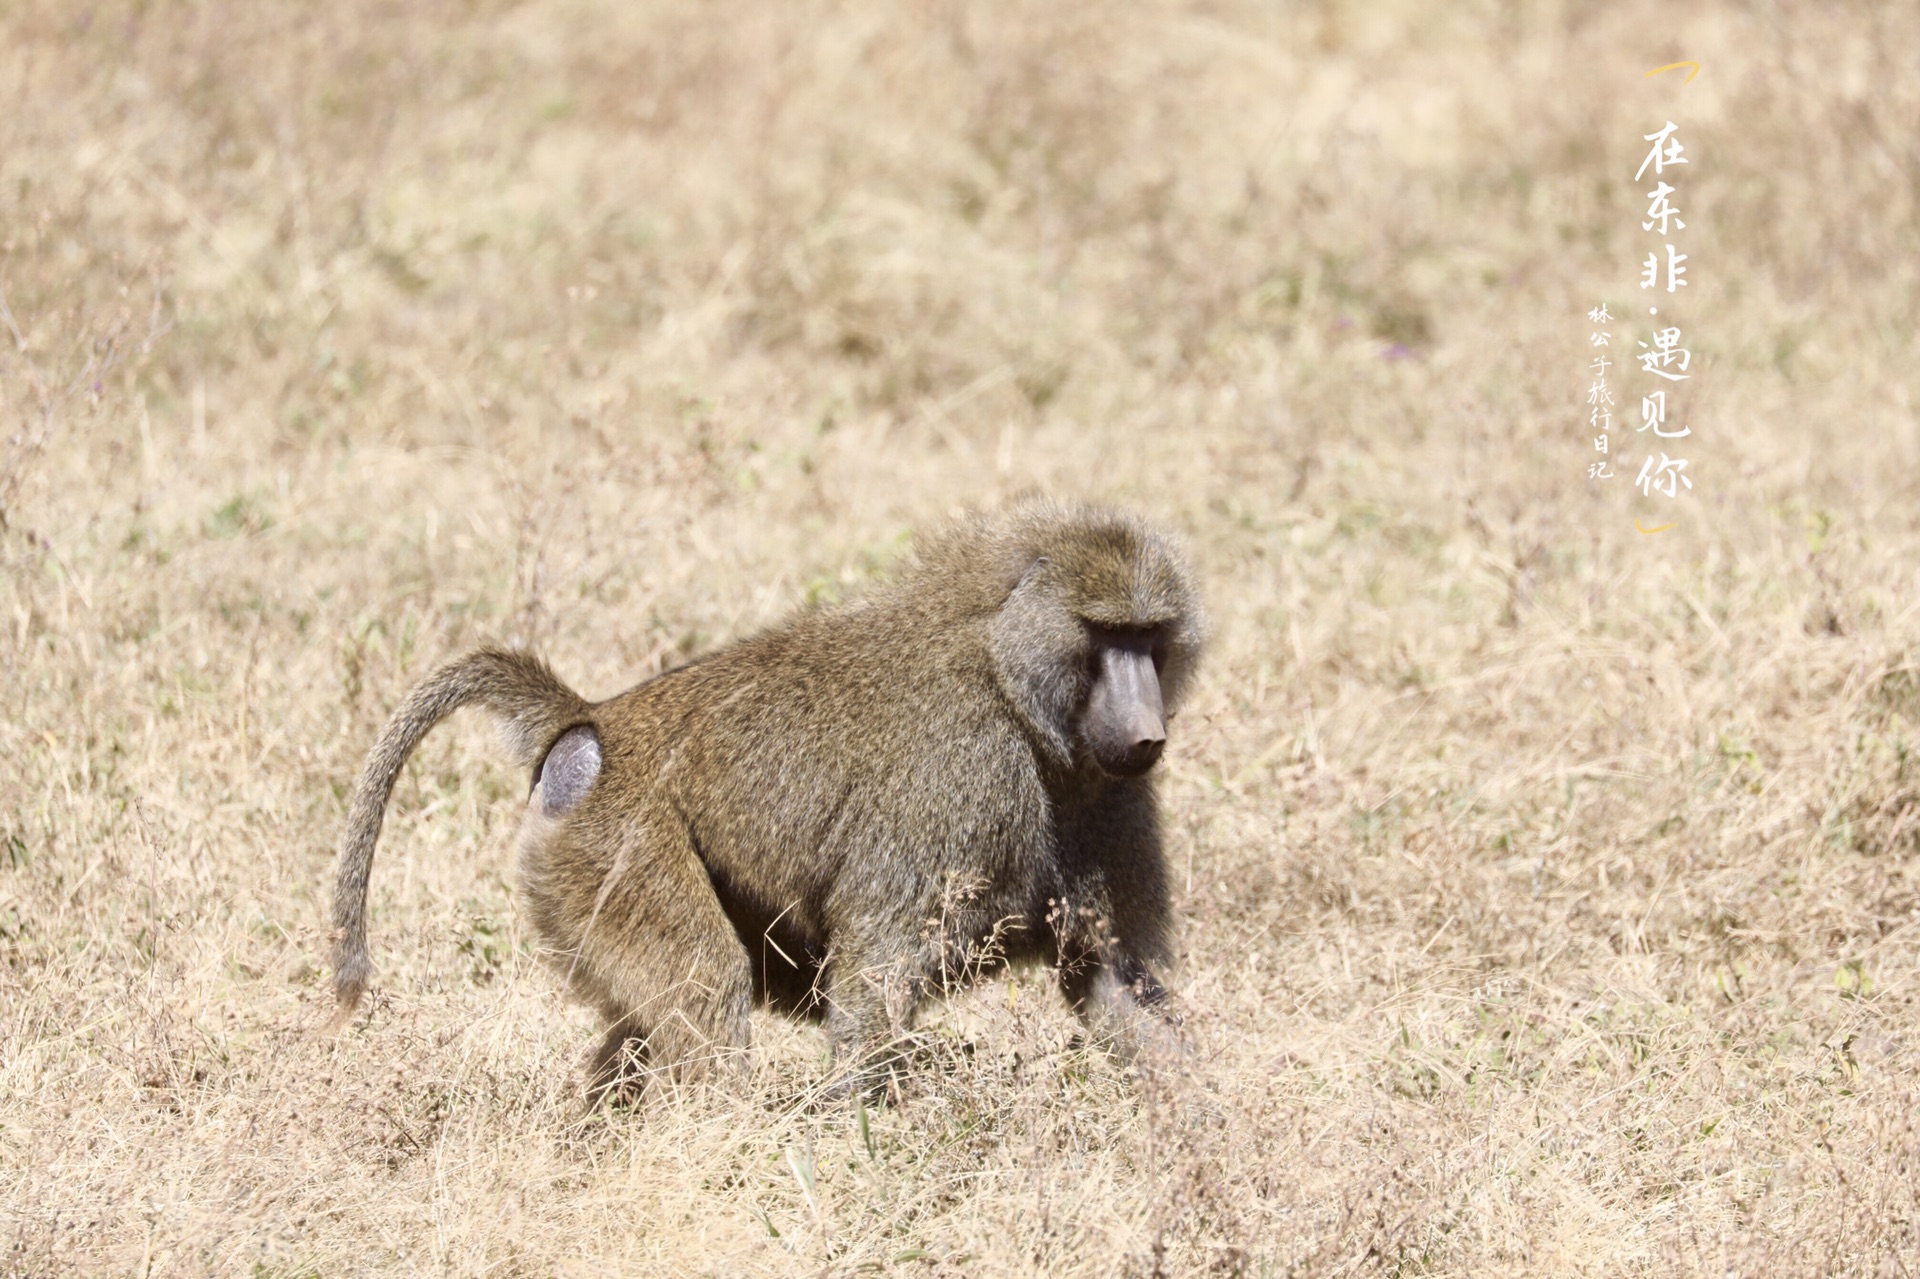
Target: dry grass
{"x": 1549, "y": 890}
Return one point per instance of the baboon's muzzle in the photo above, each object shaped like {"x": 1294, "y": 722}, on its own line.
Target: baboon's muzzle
{"x": 1125, "y": 728}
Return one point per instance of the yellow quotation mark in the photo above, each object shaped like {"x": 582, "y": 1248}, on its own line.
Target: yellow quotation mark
{"x": 1675, "y": 66}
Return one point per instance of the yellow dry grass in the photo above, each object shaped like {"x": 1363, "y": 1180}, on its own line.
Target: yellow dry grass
{"x": 1548, "y": 890}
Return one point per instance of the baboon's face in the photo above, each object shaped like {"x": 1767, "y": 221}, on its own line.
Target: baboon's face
{"x": 1124, "y": 724}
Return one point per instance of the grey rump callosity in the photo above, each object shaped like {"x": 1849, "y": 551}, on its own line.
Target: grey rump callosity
{"x": 845, "y": 812}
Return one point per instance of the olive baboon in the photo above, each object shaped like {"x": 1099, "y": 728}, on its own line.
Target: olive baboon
{"x": 851, "y": 809}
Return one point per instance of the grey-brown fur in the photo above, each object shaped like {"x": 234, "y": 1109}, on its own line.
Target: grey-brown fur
{"x": 845, "y": 812}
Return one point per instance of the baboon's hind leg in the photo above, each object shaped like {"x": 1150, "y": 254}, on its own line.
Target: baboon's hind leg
{"x": 659, "y": 955}
{"x": 616, "y": 1068}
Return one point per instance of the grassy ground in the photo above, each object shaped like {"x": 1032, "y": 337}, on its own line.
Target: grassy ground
{"x": 1548, "y": 889}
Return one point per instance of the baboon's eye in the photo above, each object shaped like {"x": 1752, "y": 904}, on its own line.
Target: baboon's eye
{"x": 1153, "y": 639}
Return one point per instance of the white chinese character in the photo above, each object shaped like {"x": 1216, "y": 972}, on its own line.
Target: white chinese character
{"x": 1660, "y": 211}
{"x": 1599, "y": 444}
{"x": 1650, "y": 270}
{"x": 1653, "y": 410}
{"x": 1664, "y": 479}
{"x": 1598, "y": 471}
{"x": 1664, "y": 151}
{"x": 1653, "y": 413}
{"x": 1666, "y": 349}
{"x": 1601, "y": 339}
{"x": 1599, "y": 314}
{"x": 1598, "y": 392}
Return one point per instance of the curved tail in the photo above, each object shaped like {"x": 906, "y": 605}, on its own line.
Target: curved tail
{"x": 530, "y": 701}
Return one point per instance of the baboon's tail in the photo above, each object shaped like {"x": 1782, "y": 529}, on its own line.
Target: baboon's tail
{"x": 529, "y": 700}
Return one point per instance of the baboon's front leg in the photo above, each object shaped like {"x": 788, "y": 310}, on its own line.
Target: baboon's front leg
{"x": 1123, "y": 1006}
{"x": 871, "y": 1002}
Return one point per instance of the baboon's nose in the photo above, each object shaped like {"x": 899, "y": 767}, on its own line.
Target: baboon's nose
{"x": 1149, "y": 725}
{"x": 1143, "y": 753}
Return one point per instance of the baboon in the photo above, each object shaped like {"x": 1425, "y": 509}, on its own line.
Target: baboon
{"x": 850, "y": 810}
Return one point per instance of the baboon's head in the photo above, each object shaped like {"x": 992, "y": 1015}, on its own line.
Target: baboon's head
{"x": 1095, "y": 632}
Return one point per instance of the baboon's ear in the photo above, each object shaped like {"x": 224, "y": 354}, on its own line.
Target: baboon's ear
{"x": 1037, "y": 645}
{"x": 1018, "y": 567}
